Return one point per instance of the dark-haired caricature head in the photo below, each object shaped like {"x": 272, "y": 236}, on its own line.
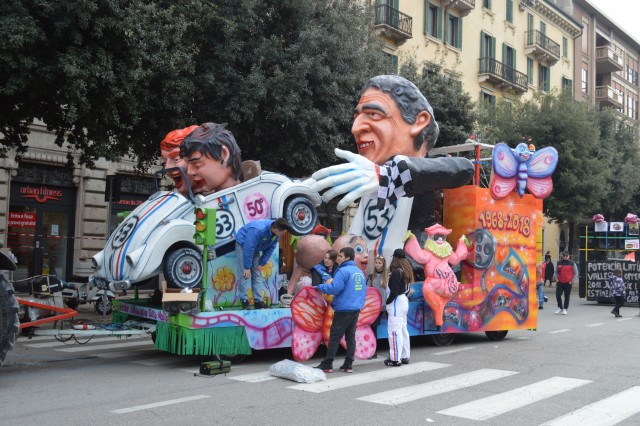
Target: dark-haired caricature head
{"x": 393, "y": 118}
{"x": 213, "y": 158}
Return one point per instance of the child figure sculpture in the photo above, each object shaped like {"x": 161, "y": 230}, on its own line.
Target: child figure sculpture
{"x": 441, "y": 283}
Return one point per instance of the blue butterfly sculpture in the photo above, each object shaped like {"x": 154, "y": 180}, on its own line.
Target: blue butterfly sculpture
{"x": 521, "y": 169}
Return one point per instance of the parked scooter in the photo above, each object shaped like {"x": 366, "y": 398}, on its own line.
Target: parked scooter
{"x": 94, "y": 291}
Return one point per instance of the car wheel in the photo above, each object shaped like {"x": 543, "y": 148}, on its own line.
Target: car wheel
{"x": 183, "y": 268}
{"x": 9, "y": 322}
{"x": 102, "y": 307}
{"x": 496, "y": 335}
{"x": 442, "y": 339}
{"x": 301, "y": 214}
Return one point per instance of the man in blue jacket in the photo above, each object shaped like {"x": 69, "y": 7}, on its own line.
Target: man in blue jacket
{"x": 254, "y": 244}
{"x": 349, "y": 289}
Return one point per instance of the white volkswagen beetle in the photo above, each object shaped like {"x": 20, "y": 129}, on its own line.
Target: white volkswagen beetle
{"x": 158, "y": 236}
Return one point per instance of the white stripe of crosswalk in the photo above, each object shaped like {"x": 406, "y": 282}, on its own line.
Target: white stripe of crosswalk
{"x": 564, "y": 330}
{"x": 396, "y": 397}
{"x": 486, "y": 408}
{"x": 453, "y": 351}
{"x": 605, "y": 412}
{"x": 369, "y": 377}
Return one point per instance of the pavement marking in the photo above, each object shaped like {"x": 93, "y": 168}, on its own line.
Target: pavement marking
{"x": 81, "y": 339}
{"x": 623, "y": 319}
{"x": 563, "y": 330}
{"x": 453, "y": 351}
{"x": 122, "y": 354}
{"x": 103, "y": 347}
{"x": 152, "y": 362}
{"x": 349, "y": 380}
{"x": 263, "y": 376}
{"x": 594, "y": 324}
{"x": 486, "y": 408}
{"x": 159, "y": 404}
{"x": 523, "y": 338}
{"x": 396, "y": 397}
{"x": 608, "y": 411}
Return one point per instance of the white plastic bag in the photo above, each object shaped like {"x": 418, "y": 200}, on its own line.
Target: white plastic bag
{"x": 297, "y": 372}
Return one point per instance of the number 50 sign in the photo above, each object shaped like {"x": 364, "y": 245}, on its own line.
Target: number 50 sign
{"x": 256, "y": 207}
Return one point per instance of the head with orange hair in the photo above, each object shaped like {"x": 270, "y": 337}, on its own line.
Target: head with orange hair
{"x": 170, "y": 153}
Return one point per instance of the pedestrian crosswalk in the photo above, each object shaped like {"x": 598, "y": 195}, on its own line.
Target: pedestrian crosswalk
{"x": 480, "y": 394}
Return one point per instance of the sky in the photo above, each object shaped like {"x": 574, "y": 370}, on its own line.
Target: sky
{"x": 625, "y": 13}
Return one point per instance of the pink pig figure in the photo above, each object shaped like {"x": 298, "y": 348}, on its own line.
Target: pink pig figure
{"x": 441, "y": 283}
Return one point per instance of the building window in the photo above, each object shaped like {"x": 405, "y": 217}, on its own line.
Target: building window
{"x": 565, "y": 47}
{"x": 510, "y": 11}
{"x": 393, "y": 64}
{"x": 529, "y": 71}
{"x": 486, "y": 4}
{"x": 632, "y": 107}
{"x": 585, "y": 81}
{"x": 453, "y": 31}
{"x": 567, "y": 85}
{"x": 433, "y": 19}
{"x": 543, "y": 78}
{"x": 632, "y": 71}
{"x": 488, "y": 100}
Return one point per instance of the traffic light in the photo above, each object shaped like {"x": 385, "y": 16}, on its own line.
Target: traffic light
{"x": 205, "y": 226}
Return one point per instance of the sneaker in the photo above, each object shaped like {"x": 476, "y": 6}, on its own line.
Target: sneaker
{"x": 540, "y": 307}
{"x": 558, "y": 311}
{"x": 546, "y": 299}
{"x": 325, "y": 368}
{"x": 390, "y": 363}
{"x": 375, "y": 354}
{"x": 260, "y": 305}
{"x": 618, "y": 316}
{"x": 245, "y": 305}
{"x": 346, "y": 369}
{"x": 564, "y": 312}
{"x": 404, "y": 360}
{"x": 638, "y": 315}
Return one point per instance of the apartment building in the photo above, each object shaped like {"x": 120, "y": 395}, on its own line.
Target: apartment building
{"x": 501, "y": 48}
{"x": 606, "y": 59}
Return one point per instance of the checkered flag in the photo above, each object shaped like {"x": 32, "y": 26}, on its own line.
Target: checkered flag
{"x": 394, "y": 177}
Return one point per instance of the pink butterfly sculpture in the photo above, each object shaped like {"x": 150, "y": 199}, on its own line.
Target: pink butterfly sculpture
{"x": 520, "y": 169}
{"x": 312, "y": 317}
{"x": 631, "y": 218}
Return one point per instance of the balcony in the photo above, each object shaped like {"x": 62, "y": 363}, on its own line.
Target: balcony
{"x": 541, "y": 47}
{"x": 464, "y": 7}
{"x": 607, "y": 96}
{"x": 501, "y": 75}
{"x": 392, "y": 23}
{"x": 607, "y": 60}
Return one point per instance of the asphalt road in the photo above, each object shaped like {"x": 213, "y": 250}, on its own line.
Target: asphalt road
{"x": 578, "y": 369}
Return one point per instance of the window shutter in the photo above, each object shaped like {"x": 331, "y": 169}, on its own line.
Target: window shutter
{"x": 514, "y": 59}
{"x": 439, "y": 23}
{"x": 459, "y": 34}
{"x": 483, "y": 47}
{"x": 493, "y": 47}
{"x": 427, "y": 18}
{"x": 447, "y": 34}
{"x": 510, "y": 11}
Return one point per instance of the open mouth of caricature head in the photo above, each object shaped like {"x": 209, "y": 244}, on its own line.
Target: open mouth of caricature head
{"x": 364, "y": 146}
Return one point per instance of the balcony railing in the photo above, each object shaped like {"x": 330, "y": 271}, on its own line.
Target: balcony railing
{"x": 607, "y": 60}
{"x": 464, "y": 7}
{"x": 542, "y": 47}
{"x": 501, "y": 74}
{"x": 608, "y": 96}
{"x": 393, "y": 23}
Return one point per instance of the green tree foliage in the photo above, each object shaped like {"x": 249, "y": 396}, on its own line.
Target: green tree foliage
{"x": 597, "y": 152}
{"x": 111, "y": 78}
{"x": 452, "y": 106}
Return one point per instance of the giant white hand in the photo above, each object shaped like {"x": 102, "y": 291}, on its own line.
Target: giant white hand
{"x": 356, "y": 178}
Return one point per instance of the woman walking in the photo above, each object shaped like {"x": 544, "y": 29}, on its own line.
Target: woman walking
{"x": 397, "y": 308}
{"x": 617, "y": 290}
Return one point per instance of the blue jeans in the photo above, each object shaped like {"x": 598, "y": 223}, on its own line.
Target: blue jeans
{"x": 254, "y": 281}
{"x": 540, "y": 293}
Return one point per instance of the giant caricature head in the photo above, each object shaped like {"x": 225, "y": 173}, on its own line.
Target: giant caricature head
{"x": 393, "y": 118}
{"x": 213, "y": 157}
{"x": 359, "y": 246}
{"x": 170, "y": 153}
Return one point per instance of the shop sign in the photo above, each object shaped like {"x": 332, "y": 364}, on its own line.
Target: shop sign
{"x": 22, "y": 219}
{"x": 40, "y": 194}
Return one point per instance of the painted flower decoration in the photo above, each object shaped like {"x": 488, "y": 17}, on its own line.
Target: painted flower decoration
{"x": 267, "y": 270}
{"x": 224, "y": 279}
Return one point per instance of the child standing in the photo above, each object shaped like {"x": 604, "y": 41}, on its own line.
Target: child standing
{"x": 540, "y": 270}
{"x": 378, "y": 280}
{"x": 617, "y": 290}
